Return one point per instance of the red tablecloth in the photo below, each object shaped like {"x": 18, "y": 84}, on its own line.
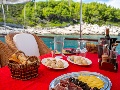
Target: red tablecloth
{"x": 47, "y": 75}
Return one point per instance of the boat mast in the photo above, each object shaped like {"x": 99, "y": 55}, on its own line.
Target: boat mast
{"x": 80, "y": 16}
{"x": 3, "y": 11}
{"x": 24, "y": 16}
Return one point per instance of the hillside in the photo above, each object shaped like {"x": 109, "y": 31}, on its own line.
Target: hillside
{"x": 60, "y": 14}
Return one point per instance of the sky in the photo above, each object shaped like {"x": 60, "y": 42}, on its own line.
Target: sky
{"x": 113, "y": 3}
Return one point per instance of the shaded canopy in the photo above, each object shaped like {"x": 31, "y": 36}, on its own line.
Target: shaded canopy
{"x": 13, "y": 1}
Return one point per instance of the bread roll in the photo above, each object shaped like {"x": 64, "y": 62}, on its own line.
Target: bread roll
{"x": 54, "y": 61}
{"x": 84, "y": 62}
{"x": 15, "y": 60}
{"x": 48, "y": 62}
{"x": 22, "y": 58}
{"x": 14, "y": 56}
{"x": 72, "y": 57}
{"x": 77, "y": 60}
{"x": 60, "y": 64}
{"x": 53, "y": 65}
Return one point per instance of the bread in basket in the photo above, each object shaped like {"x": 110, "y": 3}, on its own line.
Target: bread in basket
{"x": 23, "y": 67}
{"x": 91, "y": 47}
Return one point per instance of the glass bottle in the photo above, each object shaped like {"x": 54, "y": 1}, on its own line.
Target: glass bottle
{"x": 107, "y": 38}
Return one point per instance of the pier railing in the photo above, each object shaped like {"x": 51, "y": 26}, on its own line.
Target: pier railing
{"x": 93, "y": 40}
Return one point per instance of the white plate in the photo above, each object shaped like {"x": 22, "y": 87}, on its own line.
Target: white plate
{"x": 45, "y": 59}
{"x": 88, "y": 61}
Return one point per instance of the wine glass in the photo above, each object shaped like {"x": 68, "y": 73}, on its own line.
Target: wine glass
{"x": 52, "y": 51}
{"x": 81, "y": 50}
{"x": 51, "y": 45}
{"x": 78, "y": 48}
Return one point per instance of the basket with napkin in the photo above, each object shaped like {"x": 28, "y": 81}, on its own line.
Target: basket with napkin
{"x": 23, "y": 67}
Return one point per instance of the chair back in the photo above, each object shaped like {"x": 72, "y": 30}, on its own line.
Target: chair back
{"x": 43, "y": 49}
{"x": 5, "y": 54}
{"x": 27, "y": 43}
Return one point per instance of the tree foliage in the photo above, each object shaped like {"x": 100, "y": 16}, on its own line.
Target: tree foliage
{"x": 60, "y": 12}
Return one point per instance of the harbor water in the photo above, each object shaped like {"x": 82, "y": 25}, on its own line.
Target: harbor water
{"x": 72, "y": 43}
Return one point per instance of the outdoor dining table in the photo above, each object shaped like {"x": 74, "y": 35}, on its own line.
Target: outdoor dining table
{"x": 46, "y": 75}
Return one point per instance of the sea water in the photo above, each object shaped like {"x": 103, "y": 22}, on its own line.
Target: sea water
{"x": 72, "y": 43}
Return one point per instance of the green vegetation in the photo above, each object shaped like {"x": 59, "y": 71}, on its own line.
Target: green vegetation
{"x": 60, "y": 13}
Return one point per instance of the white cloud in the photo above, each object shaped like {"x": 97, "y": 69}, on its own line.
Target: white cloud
{"x": 114, "y": 3}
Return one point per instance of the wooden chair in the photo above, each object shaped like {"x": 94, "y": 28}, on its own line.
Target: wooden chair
{"x": 5, "y": 54}
{"x": 43, "y": 49}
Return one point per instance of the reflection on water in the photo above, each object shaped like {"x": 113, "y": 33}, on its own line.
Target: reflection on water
{"x": 73, "y": 43}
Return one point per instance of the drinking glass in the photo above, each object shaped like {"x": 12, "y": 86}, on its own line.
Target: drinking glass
{"x": 81, "y": 50}
{"x": 58, "y": 44}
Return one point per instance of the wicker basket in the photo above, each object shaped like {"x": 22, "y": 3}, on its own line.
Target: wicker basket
{"x": 91, "y": 47}
{"x": 24, "y": 71}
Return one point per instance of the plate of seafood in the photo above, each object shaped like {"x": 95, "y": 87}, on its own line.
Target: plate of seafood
{"x": 83, "y": 80}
